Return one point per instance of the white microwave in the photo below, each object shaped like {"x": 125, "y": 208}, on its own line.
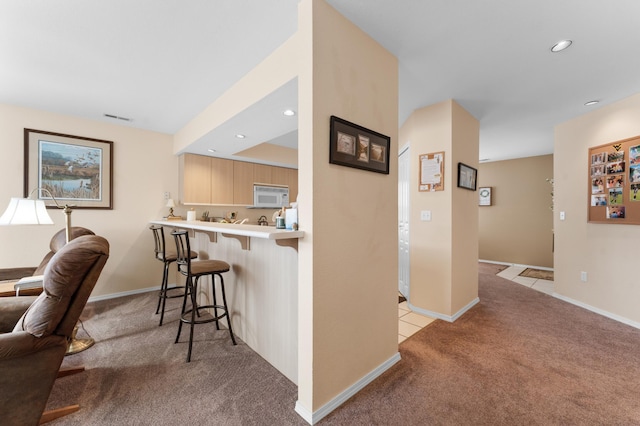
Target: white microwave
{"x": 270, "y": 196}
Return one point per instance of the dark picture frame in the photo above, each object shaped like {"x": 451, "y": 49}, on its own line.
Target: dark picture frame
{"x": 467, "y": 177}
{"x": 75, "y": 170}
{"x": 354, "y": 146}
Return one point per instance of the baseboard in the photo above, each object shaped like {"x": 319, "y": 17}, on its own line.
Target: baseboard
{"x": 122, "y": 294}
{"x": 542, "y": 268}
{"x": 322, "y": 412}
{"x": 598, "y": 311}
{"x": 448, "y": 318}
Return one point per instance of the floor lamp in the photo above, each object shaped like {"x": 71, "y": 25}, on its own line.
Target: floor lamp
{"x": 28, "y": 211}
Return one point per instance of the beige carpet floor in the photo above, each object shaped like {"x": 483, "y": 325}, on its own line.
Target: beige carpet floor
{"x": 519, "y": 357}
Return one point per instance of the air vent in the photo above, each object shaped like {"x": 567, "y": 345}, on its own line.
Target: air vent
{"x": 116, "y": 117}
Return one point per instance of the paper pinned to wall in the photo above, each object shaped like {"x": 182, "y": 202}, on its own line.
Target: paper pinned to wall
{"x": 432, "y": 172}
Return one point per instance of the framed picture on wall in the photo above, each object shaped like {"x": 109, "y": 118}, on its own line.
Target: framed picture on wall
{"x": 467, "y": 177}
{"x": 73, "y": 170}
{"x": 484, "y": 194}
{"x": 354, "y": 146}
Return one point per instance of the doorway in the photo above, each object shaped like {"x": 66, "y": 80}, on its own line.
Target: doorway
{"x": 403, "y": 221}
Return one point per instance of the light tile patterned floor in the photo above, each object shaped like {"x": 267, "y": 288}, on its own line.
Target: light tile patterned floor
{"x": 411, "y": 322}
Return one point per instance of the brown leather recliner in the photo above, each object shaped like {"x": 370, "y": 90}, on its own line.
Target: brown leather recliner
{"x": 58, "y": 241}
{"x": 33, "y": 346}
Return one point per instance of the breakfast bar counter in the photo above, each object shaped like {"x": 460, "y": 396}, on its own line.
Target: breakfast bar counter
{"x": 262, "y": 285}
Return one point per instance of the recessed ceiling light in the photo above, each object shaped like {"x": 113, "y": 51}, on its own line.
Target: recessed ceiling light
{"x": 561, "y": 45}
{"x": 289, "y": 112}
{"x": 211, "y": 150}
{"x": 240, "y": 136}
{"x": 590, "y": 103}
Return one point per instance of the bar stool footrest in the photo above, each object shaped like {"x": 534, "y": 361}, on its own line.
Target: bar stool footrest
{"x": 164, "y": 294}
{"x": 186, "y": 316}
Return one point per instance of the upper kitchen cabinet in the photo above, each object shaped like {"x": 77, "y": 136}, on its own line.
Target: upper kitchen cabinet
{"x": 211, "y": 180}
{"x": 196, "y": 179}
{"x": 292, "y": 181}
{"x": 243, "y": 183}
{"x": 206, "y": 180}
{"x": 280, "y": 176}
{"x": 222, "y": 181}
{"x": 262, "y": 173}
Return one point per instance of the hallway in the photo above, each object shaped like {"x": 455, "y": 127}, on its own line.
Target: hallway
{"x": 410, "y": 322}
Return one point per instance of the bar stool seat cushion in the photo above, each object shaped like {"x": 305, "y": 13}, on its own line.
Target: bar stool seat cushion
{"x": 201, "y": 267}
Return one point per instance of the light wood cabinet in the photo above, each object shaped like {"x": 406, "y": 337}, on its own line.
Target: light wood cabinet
{"x": 243, "y": 183}
{"x": 222, "y": 179}
{"x": 279, "y": 176}
{"x": 262, "y": 173}
{"x": 196, "y": 184}
{"x": 292, "y": 181}
{"x": 211, "y": 180}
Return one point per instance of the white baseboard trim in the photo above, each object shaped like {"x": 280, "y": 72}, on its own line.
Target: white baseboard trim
{"x": 542, "y": 268}
{"x": 449, "y": 318}
{"x": 322, "y": 412}
{"x": 122, "y": 294}
{"x": 599, "y": 311}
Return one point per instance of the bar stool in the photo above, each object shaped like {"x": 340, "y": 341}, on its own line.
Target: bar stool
{"x": 167, "y": 257}
{"x": 193, "y": 270}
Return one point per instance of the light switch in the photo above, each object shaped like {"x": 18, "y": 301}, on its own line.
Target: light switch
{"x": 561, "y": 215}
{"x": 425, "y": 215}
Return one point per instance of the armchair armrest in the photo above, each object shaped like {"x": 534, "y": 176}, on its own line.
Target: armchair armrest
{"x": 21, "y": 344}
{"x": 11, "y": 309}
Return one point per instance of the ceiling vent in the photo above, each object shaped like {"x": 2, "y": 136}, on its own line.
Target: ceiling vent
{"x": 116, "y": 117}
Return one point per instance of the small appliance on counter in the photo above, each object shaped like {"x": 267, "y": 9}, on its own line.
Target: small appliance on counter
{"x": 262, "y": 221}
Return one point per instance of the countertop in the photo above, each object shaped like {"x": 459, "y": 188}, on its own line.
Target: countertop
{"x": 255, "y": 231}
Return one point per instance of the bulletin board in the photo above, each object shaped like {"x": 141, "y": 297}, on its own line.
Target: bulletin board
{"x": 431, "y": 172}
{"x": 614, "y": 182}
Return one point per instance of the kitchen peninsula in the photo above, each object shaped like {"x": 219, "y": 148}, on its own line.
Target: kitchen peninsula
{"x": 261, "y": 286}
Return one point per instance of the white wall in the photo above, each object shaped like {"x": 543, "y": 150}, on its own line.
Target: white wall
{"x": 607, "y": 252}
{"x": 143, "y": 169}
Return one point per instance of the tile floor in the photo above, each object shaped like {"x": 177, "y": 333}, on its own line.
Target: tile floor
{"x": 411, "y": 322}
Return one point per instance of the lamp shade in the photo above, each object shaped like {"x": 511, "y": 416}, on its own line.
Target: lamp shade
{"x": 171, "y": 203}
{"x": 24, "y": 211}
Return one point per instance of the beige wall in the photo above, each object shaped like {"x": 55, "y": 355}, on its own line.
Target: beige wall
{"x": 444, "y": 256}
{"x": 144, "y": 169}
{"x": 608, "y": 253}
{"x": 518, "y": 226}
{"x": 348, "y": 259}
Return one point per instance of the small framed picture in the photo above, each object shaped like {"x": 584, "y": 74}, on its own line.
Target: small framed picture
{"x": 484, "y": 193}
{"x": 467, "y": 177}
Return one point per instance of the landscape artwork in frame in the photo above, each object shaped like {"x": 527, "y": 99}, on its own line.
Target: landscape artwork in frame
{"x": 75, "y": 170}
{"x": 467, "y": 177}
{"x": 354, "y": 146}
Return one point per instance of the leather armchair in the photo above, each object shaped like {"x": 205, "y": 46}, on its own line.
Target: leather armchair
{"x": 33, "y": 343}
{"x": 58, "y": 241}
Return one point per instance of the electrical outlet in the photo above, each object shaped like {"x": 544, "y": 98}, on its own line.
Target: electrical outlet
{"x": 583, "y": 276}
{"x": 425, "y": 215}
{"x": 167, "y": 195}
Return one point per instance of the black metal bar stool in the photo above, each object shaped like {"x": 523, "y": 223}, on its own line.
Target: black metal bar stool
{"x": 166, "y": 256}
{"x": 193, "y": 270}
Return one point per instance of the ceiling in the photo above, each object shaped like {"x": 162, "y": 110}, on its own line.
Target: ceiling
{"x": 161, "y": 63}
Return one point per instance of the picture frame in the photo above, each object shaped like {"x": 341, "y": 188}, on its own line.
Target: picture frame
{"x": 484, "y": 196}
{"x": 75, "y": 170}
{"x": 467, "y": 177}
{"x": 354, "y": 146}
